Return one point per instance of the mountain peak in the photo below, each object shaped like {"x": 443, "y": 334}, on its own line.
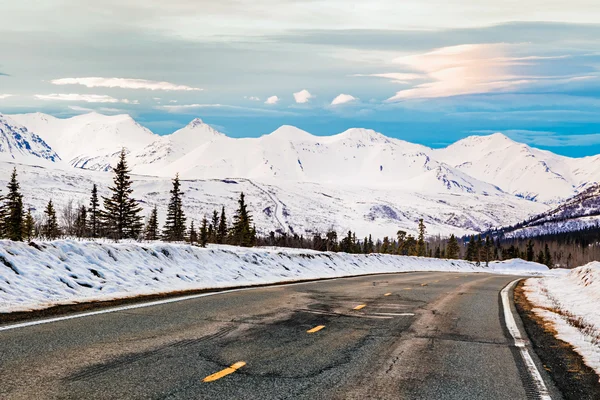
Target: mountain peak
{"x": 195, "y": 123}
{"x": 364, "y": 134}
{"x": 289, "y": 132}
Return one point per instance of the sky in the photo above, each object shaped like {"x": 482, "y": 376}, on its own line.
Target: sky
{"x": 429, "y": 72}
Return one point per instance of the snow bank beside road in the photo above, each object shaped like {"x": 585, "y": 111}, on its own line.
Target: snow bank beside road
{"x": 35, "y": 276}
{"x": 571, "y": 302}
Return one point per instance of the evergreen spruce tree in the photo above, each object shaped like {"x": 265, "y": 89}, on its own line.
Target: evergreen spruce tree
{"x": 121, "y": 215}
{"x": 529, "y": 254}
{"x": 193, "y": 235}
{"x": 222, "y": 230}
{"x": 215, "y": 227}
{"x": 174, "y": 229}
{"x": 94, "y": 213}
{"x": 478, "y": 250}
{"x": 151, "y": 231}
{"x": 204, "y": 232}
{"x": 29, "y": 226}
{"x": 331, "y": 244}
{"x": 540, "y": 257}
{"x": 421, "y": 239}
{"x": 471, "y": 249}
{"x": 50, "y": 229}
{"x": 547, "y": 256}
{"x": 242, "y": 233}
{"x": 81, "y": 224}
{"x": 401, "y": 235}
{"x": 13, "y": 211}
{"x": 452, "y": 249}
{"x": 487, "y": 251}
{"x": 370, "y": 245}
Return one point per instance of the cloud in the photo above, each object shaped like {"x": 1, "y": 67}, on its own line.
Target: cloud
{"x": 124, "y": 83}
{"x": 552, "y": 139}
{"x": 253, "y": 98}
{"x": 474, "y": 69}
{"x": 85, "y": 109}
{"x": 80, "y": 109}
{"x": 400, "y": 77}
{"x": 187, "y": 108}
{"x": 303, "y": 96}
{"x": 5, "y": 96}
{"x": 343, "y": 99}
{"x": 272, "y": 100}
{"x": 88, "y": 98}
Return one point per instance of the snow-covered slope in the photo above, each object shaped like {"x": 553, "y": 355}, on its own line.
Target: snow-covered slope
{"x": 299, "y": 207}
{"x": 167, "y": 149}
{"x": 45, "y": 274}
{"x": 358, "y": 157}
{"x": 579, "y": 212}
{"x": 19, "y": 144}
{"x": 515, "y": 167}
{"x": 87, "y": 141}
{"x": 570, "y": 304}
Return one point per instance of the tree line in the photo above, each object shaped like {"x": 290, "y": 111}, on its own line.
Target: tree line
{"x": 119, "y": 216}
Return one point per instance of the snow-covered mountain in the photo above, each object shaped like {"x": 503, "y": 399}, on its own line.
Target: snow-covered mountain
{"x": 519, "y": 169}
{"x": 579, "y": 212}
{"x": 358, "y": 179}
{"x": 17, "y": 143}
{"x": 88, "y": 140}
{"x": 360, "y": 157}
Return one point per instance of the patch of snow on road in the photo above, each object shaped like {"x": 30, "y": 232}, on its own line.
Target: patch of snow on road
{"x": 36, "y": 276}
{"x": 570, "y": 303}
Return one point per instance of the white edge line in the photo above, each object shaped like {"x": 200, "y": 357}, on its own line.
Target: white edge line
{"x": 520, "y": 343}
{"x": 143, "y": 305}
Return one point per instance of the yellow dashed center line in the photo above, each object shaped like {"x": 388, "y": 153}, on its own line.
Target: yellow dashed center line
{"x": 224, "y": 372}
{"x": 359, "y": 307}
{"x": 407, "y": 288}
{"x": 387, "y": 294}
{"x": 423, "y": 284}
{"x": 315, "y": 329}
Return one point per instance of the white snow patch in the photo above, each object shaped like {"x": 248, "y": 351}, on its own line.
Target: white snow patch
{"x": 570, "y": 301}
{"x": 67, "y": 271}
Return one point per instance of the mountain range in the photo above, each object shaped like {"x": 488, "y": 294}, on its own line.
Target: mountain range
{"x": 474, "y": 184}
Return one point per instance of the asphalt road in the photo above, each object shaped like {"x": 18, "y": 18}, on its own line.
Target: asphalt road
{"x": 433, "y": 336}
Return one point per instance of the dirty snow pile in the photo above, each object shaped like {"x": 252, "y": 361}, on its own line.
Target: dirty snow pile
{"x": 571, "y": 303}
{"x": 38, "y": 275}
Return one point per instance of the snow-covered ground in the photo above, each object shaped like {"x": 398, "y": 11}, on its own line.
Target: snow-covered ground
{"x": 299, "y": 207}
{"x": 571, "y": 303}
{"x": 65, "y": 271}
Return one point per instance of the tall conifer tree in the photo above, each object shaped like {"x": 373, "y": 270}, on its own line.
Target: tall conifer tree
{"x": 222, "y": 231}
{"x": 13, "y": 210}
{"x": 421, "y": 239}
{"x": 121, "y": 214}
{"x": 193, "y": 235}
{"x": 94, "y": 213}
{"x": 204, "y": 232}
{"x": 151, "y": 231}
{"x": 28, "y": 226}
{"x": 51, "y": 229}
{"x": 174, "y": 229}
{"x": 215, "y": 227}
{"x": 452, "y": 249}
{"x": 242, "y": 234}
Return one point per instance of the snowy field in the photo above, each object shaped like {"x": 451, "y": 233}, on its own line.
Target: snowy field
{"x": 571, "y": 303}
{"x": 64, "y": 271}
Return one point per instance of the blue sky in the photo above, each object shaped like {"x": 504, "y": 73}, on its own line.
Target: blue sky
{"x": 425, "y": 73}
